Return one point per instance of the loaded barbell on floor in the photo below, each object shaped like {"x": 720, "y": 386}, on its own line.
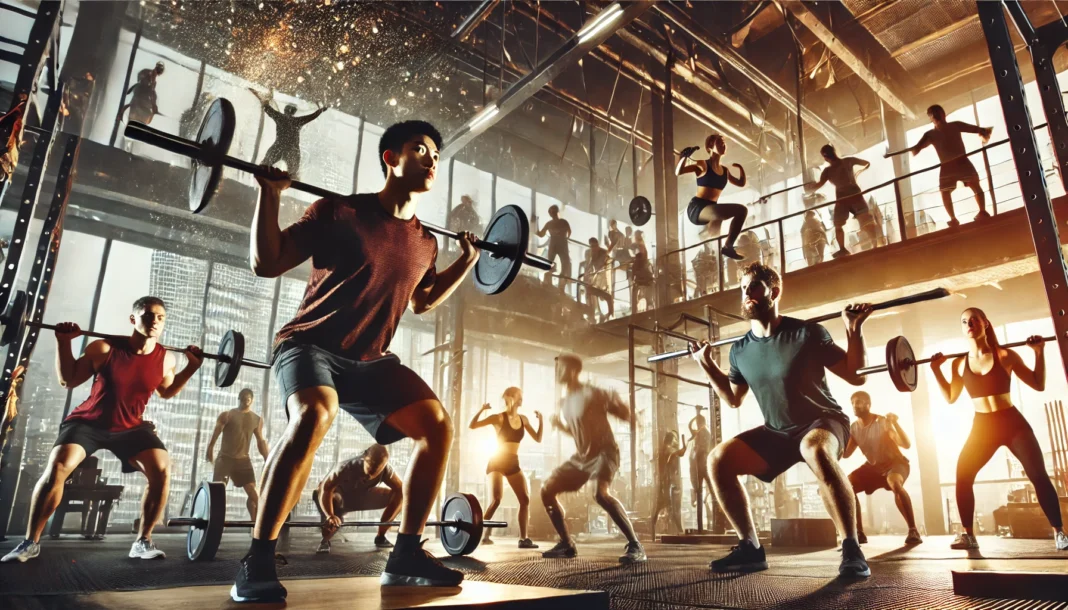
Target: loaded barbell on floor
{"x": 460, "y": 528}
{"x": 228, "y": 361}
{"x": 929, "y": 295}
{"x": 507, "y": 234}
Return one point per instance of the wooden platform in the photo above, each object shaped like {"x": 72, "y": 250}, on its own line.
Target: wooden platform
{"x": 728, "y": 539}
{"x": 1012, "y": 585}
{"x": 359, "y": 592}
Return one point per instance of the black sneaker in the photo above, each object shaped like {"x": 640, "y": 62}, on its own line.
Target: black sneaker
{"x": 418, "y": 568}
{"x": 853, "y": 563}
{"x": 562, "y": 550}
{"x": 381, "y": 542}
{"x": 634, "y": 553}
{"x": 730, "y": 252}
{"x": 257, "y": 581}
{"x": 527, "y": 543}
{"x": 743, "y": 558}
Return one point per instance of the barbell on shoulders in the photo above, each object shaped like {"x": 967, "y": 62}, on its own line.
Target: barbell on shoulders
{"x": 507, "y": 234}
{"x": 228, "y": 361}
{"x": 460, "y": 528}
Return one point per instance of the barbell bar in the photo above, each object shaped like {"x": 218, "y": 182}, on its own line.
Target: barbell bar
{"x": 929, "y": 295}
{"x": 459, "y": 524}
{"x": 228, "y": 361}
{"x": 209, "y": 155}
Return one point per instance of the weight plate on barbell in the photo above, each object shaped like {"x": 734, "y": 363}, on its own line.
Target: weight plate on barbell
{"x": 209, "y": 504}
{"x": 510, "y": 230}
{"x": 640, "y": 210}
{"x": 461, "y": 507}
{"x": 900, "y": 364}
{"x": 215, "y": 135}
{"x": 17, "y": 315}
{"x": 231, "y": 355}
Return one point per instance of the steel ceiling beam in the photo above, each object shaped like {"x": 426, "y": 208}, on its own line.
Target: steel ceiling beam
{"x": 594, "y": 32}
{"x": 885, "y": 90}
{"x": 473, "y": 20}
{"x": 734, "y": 59}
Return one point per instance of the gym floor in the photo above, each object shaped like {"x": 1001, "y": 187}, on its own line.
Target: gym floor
{"x": 74, "y": 573}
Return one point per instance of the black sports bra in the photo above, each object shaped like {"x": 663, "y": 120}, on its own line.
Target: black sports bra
{"x": 997, "y": 381}
{"x": 711, "y": 179}
{"x": 507, "y": 434}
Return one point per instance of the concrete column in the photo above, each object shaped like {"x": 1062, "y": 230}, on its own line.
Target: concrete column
{"x": 87, "y": 66}
{"x": 666, "y": 197}
{"x": 897, "y": 140}
{"x": 926, "y": 448}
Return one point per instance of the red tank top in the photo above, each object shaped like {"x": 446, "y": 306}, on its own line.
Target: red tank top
{"x": 122, "y": 388}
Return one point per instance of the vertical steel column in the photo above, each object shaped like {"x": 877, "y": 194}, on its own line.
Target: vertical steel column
{"x": 1028, "y": 165}
{"x": 270, "y": 341}
{"x": 633, "y": 420}
{"x": 203, "y": 382}
{"x": 126, "y": 81}
{"x": 456, "y": 384}
{"x": 986, "y": 164}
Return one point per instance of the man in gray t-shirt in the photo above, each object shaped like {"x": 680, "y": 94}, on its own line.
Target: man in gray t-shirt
{"x": 878, "y": 438}
{"x": 784, "y": 362}
{"x": 366, "y": 482}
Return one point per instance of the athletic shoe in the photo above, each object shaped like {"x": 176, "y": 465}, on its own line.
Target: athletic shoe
{"x": 913, "y": 537}
{"x": 527, "y": 543}
{"x": 983, "y": 215}
{"x": 853, "y": 563}
{"x": 730, "y": 252}
{"x": 743, "y": 558}
{"x": 27, "y": 550}
{"x": 381, "y": 542}
{"x": 562, "y": 550}
{"x": 840, "y": 253}
{"x": 953, "y": 222}
{"x": 257, "y": 581}
{"x": 965, "y": 542}
{"x": 145, "y": 549}
{"x": 417, "y": 567}
{"x": 1061, "y": 540}
{"x": 634, "y": 553}
{"x": 862, "y": 538}
{"x": 323, "y": 548}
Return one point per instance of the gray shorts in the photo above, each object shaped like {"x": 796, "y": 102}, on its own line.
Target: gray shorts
{"x": 370, "y": 390}
{"x": 575, "y": 472}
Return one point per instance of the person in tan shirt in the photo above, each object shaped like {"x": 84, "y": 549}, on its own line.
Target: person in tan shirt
{"x": 237, "y": 427}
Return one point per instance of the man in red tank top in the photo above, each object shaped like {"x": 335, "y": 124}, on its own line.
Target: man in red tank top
{"x": 371, "y": 259}
{"x": 126, "y": 371}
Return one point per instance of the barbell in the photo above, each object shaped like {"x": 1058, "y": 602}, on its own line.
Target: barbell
{"x": 507, "y": 234}
{"x": 902, "y": 365}
{"x": 460, "y": 528}
{"x": 228, "y": 361}
{"x": 929, "y": 295}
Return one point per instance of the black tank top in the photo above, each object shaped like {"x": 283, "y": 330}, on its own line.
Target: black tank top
{"x": 507, "y": 434}
{"x": 711, "y": 179}
{"x": 996, "y": 382}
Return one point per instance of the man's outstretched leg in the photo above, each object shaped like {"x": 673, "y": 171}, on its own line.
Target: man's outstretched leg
{"x": 46, "y": 497}
{"x": 428, "y": 424}
{"x": 904, "y": 504}
{"x": 634, "y": 552}
{"x": 564, "y": 479}
{"x": 311, "y": 412}
{"x": 730, "y": 460}
{"x": 820, "y": 450}
{"x": 947, "y": 202}
{"x": 156, "y": 466}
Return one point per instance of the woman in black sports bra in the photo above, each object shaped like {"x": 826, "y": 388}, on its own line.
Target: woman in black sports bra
{"x": 712, "y": 178}
{"x": 510, "y": 426}
{"x": 997, "y": 422}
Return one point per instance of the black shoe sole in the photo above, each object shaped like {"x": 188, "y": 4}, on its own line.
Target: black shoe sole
{"x": 398, "y": 580}
{"x": 257, "y": 600}
{"x": 852, "y": 573}
{"x": 745, "y": 568}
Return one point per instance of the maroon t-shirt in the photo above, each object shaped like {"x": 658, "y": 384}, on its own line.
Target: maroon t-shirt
{"x": 366, "y": 265}
{"x": 122, "y": 387}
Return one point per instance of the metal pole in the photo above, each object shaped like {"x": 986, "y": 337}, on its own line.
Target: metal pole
{"x": 266, "y": 388}
{"x": 986, "y": 163}
{"x": 200, "y": 394}
{"x": 359, "y": 152}
{"x": 633, "y": 421}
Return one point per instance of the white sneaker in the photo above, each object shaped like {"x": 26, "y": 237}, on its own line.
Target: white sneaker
{"x": 1059, "y": 537}
{"x": 145, "y": 549}
{"x": 964, "y": 541}
{"x": 27, "y": 550}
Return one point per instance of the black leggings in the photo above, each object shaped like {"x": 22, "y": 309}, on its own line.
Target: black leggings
{"x": 992, "y": 430}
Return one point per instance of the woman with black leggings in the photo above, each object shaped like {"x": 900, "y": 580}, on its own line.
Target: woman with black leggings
{"x": 712, "y": 177}
{"x": 986, "y": 372}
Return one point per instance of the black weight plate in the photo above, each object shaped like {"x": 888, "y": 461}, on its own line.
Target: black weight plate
{"x": 17, "y": 315}
{"x": 510, "y": 230}
{"x": 900, "y": 363}
{"x": 640, "y": 211}
{"x": 231, "y": 354}
{"x": 209, "y": 503}
{"x": 216, "y": 133}
{"x": 461, "y": 507}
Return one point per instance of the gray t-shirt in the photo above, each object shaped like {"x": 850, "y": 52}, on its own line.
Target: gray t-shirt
{"x": 786, "y": 373}
{"x": 585, "y": 414}
{"x": 353, "y": 482}
{"x": 875, "y": 443}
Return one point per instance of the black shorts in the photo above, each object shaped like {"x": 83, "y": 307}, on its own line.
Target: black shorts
{"x": 849, "y": 202}
{"x": 869, "y": 477}
{"x": 781, "y": 450}
{"x": 239, "y": 471}
{"x": 123, "y": 444}
{"x": 370, "y": 391}
{"x": 958, "y": 170}
{"x": 695, "y": 207}
{"x": 504, "y": 463}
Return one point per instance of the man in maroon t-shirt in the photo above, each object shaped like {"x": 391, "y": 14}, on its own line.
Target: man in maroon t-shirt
{"x": 371, "y": 260}
{"x": 126, "y": 372}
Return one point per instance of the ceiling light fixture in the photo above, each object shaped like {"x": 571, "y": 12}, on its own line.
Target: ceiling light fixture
{"x": 600, "y": 22}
